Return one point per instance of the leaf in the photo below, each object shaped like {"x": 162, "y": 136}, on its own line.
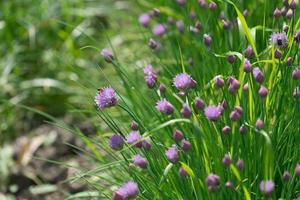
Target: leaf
{"x": 166, "y": 171}
{"x": 83, "y": 195}
{"x": 187, "y": 169}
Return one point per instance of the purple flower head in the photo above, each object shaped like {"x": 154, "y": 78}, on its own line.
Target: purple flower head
{"x": 107, "y": 55}
{"x": 226, "y": 130}
{"x": 258, "y": 75}
{"x": 177, "y": 135}
{"x": 289, "y": 61}
{"x": 277, "y": 13}
{"x": 150, "y": 76}
{"x": 212, "y": 182}
{"x": 286, "y": 28}
{"x": 293, "y": 5}
{"x": 155, "y": 12}
{"x": 286, "y": 176}
{"x": 246, "y": 13}
{"x": 246, "y": 87}
{"x": 162, "y": 88}
{"x": 226, "y": 24}
{"x": 229, "y": 185}
{"x": 277, "y": 54}
{"x": 116, "y": 142}
{"x": 165, "y": 107}
{"x": 212, "y": 6}
{"x": 181, "y": 2}
{"x": 128, "y": 191}
{"x": 289, "y": 13}
{"x": 139, "y": 161}
{"x": 134, "y": 126}
{"x": 183, "y": 81}
{"x": 172, "y": 154}
{"x": 226, "y": 160}
{"x": 207, "y": 40}
{"x": 285, "y": 2}
{"x": 266, "y": 187}
{"x": 186, "y": 111}
{"x": 296, "y": 93}
{"x": 146, "y": 144}
{"x": 221, "y": 108}
{"x": 219, "y": 82}
{"x": 212, "y": 113}
{"x": 135, "y": 138}
{"x": 193, "y": 29}
{"x": 182, "y": 172}
{"x": 180, "y": 26}
{"x": 263, "y": 91}
{"x": 159, "y": 30}
{"x": 283, "y": 11}
{"x": 231, "y": 59}
{"x": 297, "y": 36}
{"x": 239, "y": 109}
{"x": 202, "y": 3}
{"x": 296, "y": 74}
{"x": 185, "y": 145}
{"x": 234, "y": 85}
{"x": 279, "y": 40}
{"x": 198, "y": 25}
{"x": 243, "y": 129}
{"x": 240, "y": 164}
{"x": 297, "y": 170}
{"x": 153, "y": 44}
{"x": 247, "y": 66}
{"x": 259, "y": 124}
{"x": 235, "y": 116}
{"x": 199, "y": 103}
{"x": 144, "y": 19}
{"x": 249, "y": 53}
{"x": 106, "y": 98}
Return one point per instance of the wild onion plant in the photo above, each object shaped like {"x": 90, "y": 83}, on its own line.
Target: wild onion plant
{"x": 216, "y": 110}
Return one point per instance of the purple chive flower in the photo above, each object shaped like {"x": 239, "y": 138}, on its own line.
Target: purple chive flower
{"x": 182, "y": 172}
{"x": 296, "y": 93}
{"x": 116, "y": 142}
{"x": 249, "y": 53}
{"x": 226, "y": 160}
{"x": 139, "y": 161}
{"x": 155, "y": 12}
{"x": 277, "y": 54}
{"x": 258, "y": 75}
{"x": 181, "y": 2}
{"x": 259, "y": 124}
{"x": 134, "y": 137}
{"x": 231, "y": 59}
{"x": 146, "y": 144}
{"x": 297, "y": 170}
{"x": 185, "y": 145}
{"x": 198, "y": 25}
{"x": 144, "y": 19}
{"x": 246, "y": 13}
{"x": 263, "y": 91}
{"x": 159, "y": 30}
{"x": 283, "y": 11}
{"x": 224, "y": 104}
{"x": 246, "y": 87}
{"x": 165, "y": 107}
{"x": 219, "y": 82}
{"x": 134, "y": 126}
{"x": 277, "y": 13}
{"x": 279, "y": 40}
{"x": 177, "y": 135}
{"x": 212, "y": 182}
{"x": 243, "y": 129}
{"x": 193, "y": 29}
{"x": 153, "y": 44}
{"x": 286, "y": 28}
{"x": 186, "y": 111}
{"x": 162, "y": 88}
{"x": 106, "y": 98}
{"x": 285, "y": 2}
{"x": 129, "y": 190}
{"x": 289, "y": 13}
{"x": 229, "y": 185}
{"x": 239, "y": 109}
{"x": 180, "y": 26}
{"x": 172, "y": 154}
{"x": 235, "y": 116}
{"x": 289, "y": 61}
{"x": 207, "y": 40}
{"x": 107, "y": 55}
{"x": 226, "y": 130}
{"x": 293, "y": 5}
{"x": 150, "y": 76}
{"x": 266, "y": 187}
{"x": 212, "y": 113}
{"x": 199, "y": 103}
{"x": 296, "y": 74}
{"x": 297, "y": 36}
{"x": 183, "y": 81}
{"x": 202, "y": 3}
{"x": 286, "y": 176}
{"x": 240, "y": 164}
{"x": 212, "y": 6}
{"x": 226, "y": 24}
{"x": 234, "y": 85}
{"x": 247, "y": 66}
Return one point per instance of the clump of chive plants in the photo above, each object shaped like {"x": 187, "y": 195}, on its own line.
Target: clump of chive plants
{"x": 222, "y": 121}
